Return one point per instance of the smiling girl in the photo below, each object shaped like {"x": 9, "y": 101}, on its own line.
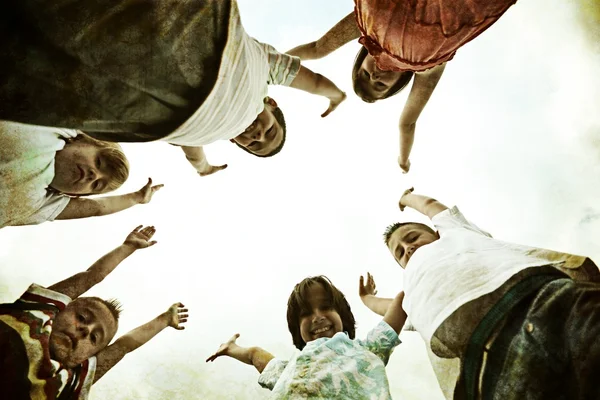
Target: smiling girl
{"x": 404, "y": 41}
{"x": 43, "y": 170}
{"x": 331, "y": 362}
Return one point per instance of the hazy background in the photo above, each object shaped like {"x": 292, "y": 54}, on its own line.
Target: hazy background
{"x": 511, "y": 135}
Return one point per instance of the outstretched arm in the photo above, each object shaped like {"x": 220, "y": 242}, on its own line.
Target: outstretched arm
{"x": 343, "y": 32}
{"x": 313, "y": 83}
{"x": 80, "y": 283}
{"x": 423, "y": 204}
{"x": 390, "y": 309}
{"x": 83, "y": 208}
{"x": 255, "y": 356}
{"x": 110, "y": 356}
{"x": 196, "y": 157}
{"x": 422, "y": 88}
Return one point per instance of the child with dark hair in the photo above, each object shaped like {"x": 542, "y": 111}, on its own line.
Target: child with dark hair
{"x": 492, "y": 312}
{"x": 44, "y": 172}
{"x": 54, "y": 344}
{"x": 404, "y": 40}
{"x": 331, "y": 362}
{"x": 183, "y": 72}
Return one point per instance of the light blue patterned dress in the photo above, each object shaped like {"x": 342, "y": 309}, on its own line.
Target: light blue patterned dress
{"x": 335, "y": 368}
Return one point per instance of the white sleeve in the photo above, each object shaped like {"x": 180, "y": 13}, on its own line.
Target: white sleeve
{"x": 452, "y": 218}
{"x": 51, "y": 207}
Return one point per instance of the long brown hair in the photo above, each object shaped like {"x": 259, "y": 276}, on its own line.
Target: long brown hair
{"x": 298, "y": 302}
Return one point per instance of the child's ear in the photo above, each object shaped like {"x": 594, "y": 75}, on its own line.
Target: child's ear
{"x": 270, "y": 102}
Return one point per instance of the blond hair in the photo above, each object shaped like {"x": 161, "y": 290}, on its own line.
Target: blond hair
{"x": 116, "y": 161}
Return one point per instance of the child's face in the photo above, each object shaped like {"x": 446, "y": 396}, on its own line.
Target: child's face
{"x": 321, "y": 320}
{"x": 264, "y": 135}
{"x": 407, "y": 239}
{"x": 79, "y": 168}
{"x": 376, "y": 81}
{"x": 80, "y": 331}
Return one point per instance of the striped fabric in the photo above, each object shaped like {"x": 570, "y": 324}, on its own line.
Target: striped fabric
{"x": 25, "y": 364}
{"x": 247, "y": 68}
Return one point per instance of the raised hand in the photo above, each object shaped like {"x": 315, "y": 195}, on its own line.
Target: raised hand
{"x": 367, "y": 289}
{"x": 145, "y": 194}
{"x": 177, "y": 316}
{"x": 406, "y": 192}
{"x": 224, "y": 348}
{"x": 140, "y": 237}
{"x": 210, "y": 169}
{"x": 405, "y": 166}
{"x": 333, "y": 103}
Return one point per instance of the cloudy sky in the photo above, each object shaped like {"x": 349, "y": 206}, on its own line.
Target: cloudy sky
{"x": 511, "y": 136}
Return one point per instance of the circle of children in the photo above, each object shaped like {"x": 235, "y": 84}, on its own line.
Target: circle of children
{"x": 521, "y": 322}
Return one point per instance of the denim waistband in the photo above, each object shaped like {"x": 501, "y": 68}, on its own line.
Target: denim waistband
{"x": 473, "y": 354}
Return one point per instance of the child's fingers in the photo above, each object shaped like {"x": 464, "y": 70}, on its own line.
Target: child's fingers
{"x": 328, "y": 111}
{"x": 152, "y": 243}
{"x": 137, "y": 228}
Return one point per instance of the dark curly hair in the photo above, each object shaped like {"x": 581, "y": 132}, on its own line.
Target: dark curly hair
{"x": 298, "y": 303}
{"x": 278, "y": 114}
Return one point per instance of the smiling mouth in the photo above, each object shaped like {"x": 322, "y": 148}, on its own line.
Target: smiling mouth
{"x": 322, "y": 330}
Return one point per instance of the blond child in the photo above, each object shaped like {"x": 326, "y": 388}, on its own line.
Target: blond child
{"x": 56, "y": 343}
{"x": 331, "y": 363}
{"x": 46, "y": 174}
{"x": 186, "y": 73}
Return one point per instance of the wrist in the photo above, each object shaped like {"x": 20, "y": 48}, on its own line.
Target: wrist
{"x": 128, "y": 247}
{"x": 164, "y": 319}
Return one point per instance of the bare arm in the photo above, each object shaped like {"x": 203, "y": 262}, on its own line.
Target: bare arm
{"x": 196, "y": 157}
{"x": 343, "y": 32}
{"x": 80, "y": 283}
{"x": 422, "y": 88}
{"x": 367, "y": 292}
{"x": 111, "y": 355}
{"x": 313, "y": 83}
{"x": 423, "y": 204}
{"x": 390, "y": 309}
{"x": 83, "y": 208}
{"x": 395, "y": 315}
{"x": 255, "y": 356}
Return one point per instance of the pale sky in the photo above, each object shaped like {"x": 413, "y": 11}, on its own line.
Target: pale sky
{"x": 511, "y": 135}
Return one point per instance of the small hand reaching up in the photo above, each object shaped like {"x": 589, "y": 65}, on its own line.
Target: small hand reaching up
{"x": 334, "y": 101}
{"x": 404, "y": 166}
{"x": 145, "y": 193}
{"x": 140, "y": 237}
{"x": 406, "y": 192}
{"x": 224, "y": 348}
{"x": 178, "y": 315}
{"x": 367, "y": 289}
{"x": 208, "y": 169}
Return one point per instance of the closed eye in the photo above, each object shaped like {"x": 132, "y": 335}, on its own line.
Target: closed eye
{"x": 411, "y": 238}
